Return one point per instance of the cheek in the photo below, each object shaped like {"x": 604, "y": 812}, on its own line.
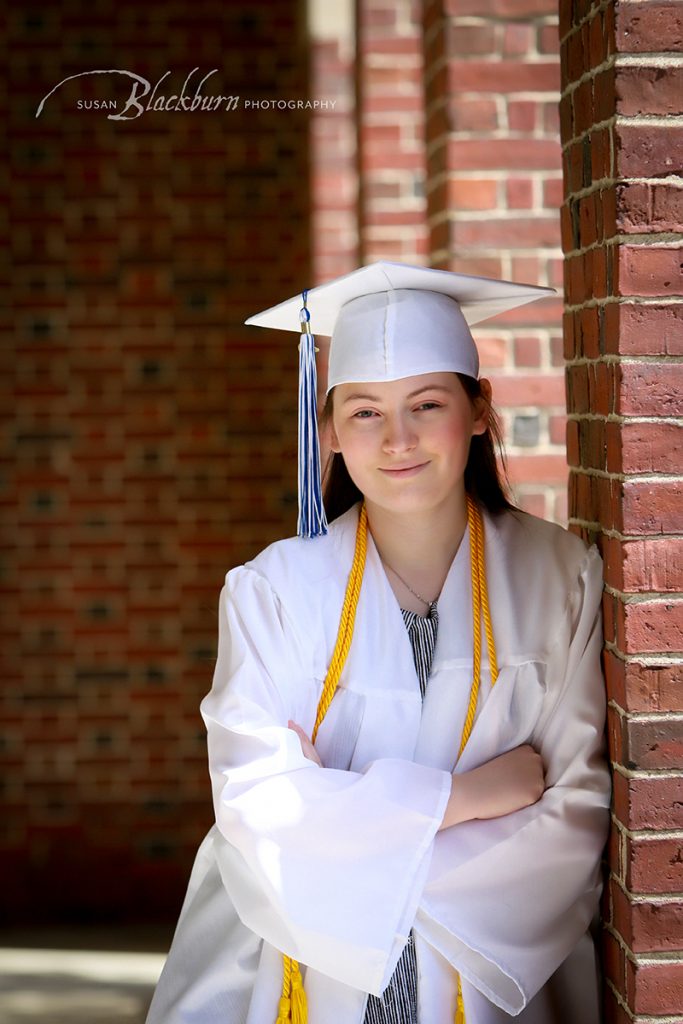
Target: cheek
{"x": 348, "y": 442}
{"x": 455, "y": 431}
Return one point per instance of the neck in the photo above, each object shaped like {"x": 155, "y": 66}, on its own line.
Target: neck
{"x": 419, "y": 547}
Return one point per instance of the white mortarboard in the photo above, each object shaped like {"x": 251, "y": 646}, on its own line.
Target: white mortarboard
{"x": 386, "y": 321}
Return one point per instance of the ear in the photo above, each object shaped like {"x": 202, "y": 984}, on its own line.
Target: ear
{"x": 482, "y": 407}
{"x": 334, "y": 440}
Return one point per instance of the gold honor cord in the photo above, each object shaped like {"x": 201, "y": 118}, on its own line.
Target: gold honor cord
{"x": 292, "y": 1007}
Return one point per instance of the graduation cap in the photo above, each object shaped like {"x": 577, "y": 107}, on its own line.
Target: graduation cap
{"x": 386, "y": 321}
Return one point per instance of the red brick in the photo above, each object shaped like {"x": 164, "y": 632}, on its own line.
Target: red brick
{"x": 549, "y": 469}
{"x": 646, "y": 926}
{"x": 470, "y": 115}
{"x": 492, "y": 351}
{"x": 598, "y": 42}
{"x": 643, "y": 447}
{"x": 647, "y": 151}
{"x": 587, "y": 221}
{"x": 498, "y": 8}
{"x": 467, "y": 40}
{"x": 503, "y": 154}
{"x": 565, "y": 116}
{"x": 561, "y": 511}
{"x": 601, "y": 163}
{"x": 548, "y": 39}
{"x": 550, "y": 120}
{"x": 655, "y": 988}
{"x": 652, "y": 744}
{"x": 573, "y": 449}
{"x": 650, "y": 389}
{"x": 652, "y": 687}
{"x": 543, "y": 389}
{"x": 650, "y": 508}
{"x": 604, "y": 86}
{"x": 650, "y": 626}
{"x": 484, "y": 266}
{"x": 531, "y": 501}
{"x": 582, "y": 104}
{"x": 654, "y": 865}
{"x": 643, "y": 90}
{"x": 655, "y": 28}
{"x": 519, "y": 193}
{"x": 590, "y": 332}
{"x": 633, "y": 206}
{"x": 522, "y": 115}
{"x": 527, "y": 351}
{"x": 614, "y": 1010}
{"x": 529, "y": 268}
{"x": 518, "y": 39}
{"x": 649, "y": 803}
{"x": 577, "y": 389}
{"x": 526, "y": 231}
{"x": 649, "y": 208}
{"x": 614, "y": 961}
{"x": 471, "y": 194}
{"x": 574, "y": 57}
{"x": 557, "y": 428}
{"x": 653, "y": 564}
{"x": 647, "y": 330}
{"x": 667, "y": 208}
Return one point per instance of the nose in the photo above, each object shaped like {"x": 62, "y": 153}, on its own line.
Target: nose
{"x": 399, "y": 435}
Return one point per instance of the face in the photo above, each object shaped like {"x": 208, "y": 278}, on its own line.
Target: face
{"x": 406, "y": 442}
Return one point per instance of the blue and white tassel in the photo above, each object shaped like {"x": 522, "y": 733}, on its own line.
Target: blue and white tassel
{"x": 312, "y": 520}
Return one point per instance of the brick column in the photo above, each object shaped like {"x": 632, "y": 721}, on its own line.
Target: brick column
{"x": 391, "y": 153}
{"x": 623, "y": 153}
{"x": 332, "y": 150}
{"x": 493, "y": 191}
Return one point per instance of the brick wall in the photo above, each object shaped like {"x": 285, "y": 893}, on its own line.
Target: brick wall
{"x": 148, "y": 438}
{"x": 494, "y": 190}
{"x": 623, "y": 334}
{"x": 332, "y": 142}
{"x": 391, "y": 142}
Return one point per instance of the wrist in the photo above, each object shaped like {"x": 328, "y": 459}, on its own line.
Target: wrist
{"x": 458, "y": 808}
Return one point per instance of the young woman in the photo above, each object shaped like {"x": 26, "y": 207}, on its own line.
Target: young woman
{"x": 405, "y": 728}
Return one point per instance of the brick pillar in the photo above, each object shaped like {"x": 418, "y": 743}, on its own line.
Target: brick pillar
{"x": 623, "y": 153}
{"x": 391, "y": 153}
{"x": 493, "y": 191}
{"x": 334, "y": 172}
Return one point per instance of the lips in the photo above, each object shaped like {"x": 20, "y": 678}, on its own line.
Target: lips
{"x": 402, "y": 471}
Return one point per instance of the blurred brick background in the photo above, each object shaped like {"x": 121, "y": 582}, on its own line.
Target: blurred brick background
{"x": 148, "y": 437}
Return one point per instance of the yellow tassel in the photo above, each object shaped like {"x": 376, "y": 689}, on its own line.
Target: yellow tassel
{"x": 299, "y": 1006}
{"x": 283, "y": 1014}
{"x": 460, "y": 1006}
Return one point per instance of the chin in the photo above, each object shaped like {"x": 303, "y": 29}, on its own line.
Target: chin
{"x": 407, "y": 502}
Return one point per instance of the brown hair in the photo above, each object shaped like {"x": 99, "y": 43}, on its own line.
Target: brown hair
{"x": 485, "y": 479}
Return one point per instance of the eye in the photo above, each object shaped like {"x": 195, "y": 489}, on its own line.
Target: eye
{"x": 363, "y": 414}
{"x": 429, "y": 405}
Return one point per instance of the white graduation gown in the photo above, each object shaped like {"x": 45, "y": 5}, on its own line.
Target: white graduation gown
{"x": 336, "y": 865}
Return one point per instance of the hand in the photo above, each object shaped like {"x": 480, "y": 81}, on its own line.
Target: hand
{"x": 501, "y": 786}
{"x": 307, "y": 748}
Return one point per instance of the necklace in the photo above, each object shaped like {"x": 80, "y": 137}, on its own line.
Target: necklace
{"x": 430, "y": 604}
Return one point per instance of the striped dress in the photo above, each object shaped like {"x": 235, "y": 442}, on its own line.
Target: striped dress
{"x": 398, "y": 1003}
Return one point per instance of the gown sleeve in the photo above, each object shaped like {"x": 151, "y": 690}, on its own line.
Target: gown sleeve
{"x": 325, "y": 865}
{"x": 507, "y": 899}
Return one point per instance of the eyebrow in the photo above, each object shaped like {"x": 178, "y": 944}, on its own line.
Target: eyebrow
{"x": 357, "y": 395}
